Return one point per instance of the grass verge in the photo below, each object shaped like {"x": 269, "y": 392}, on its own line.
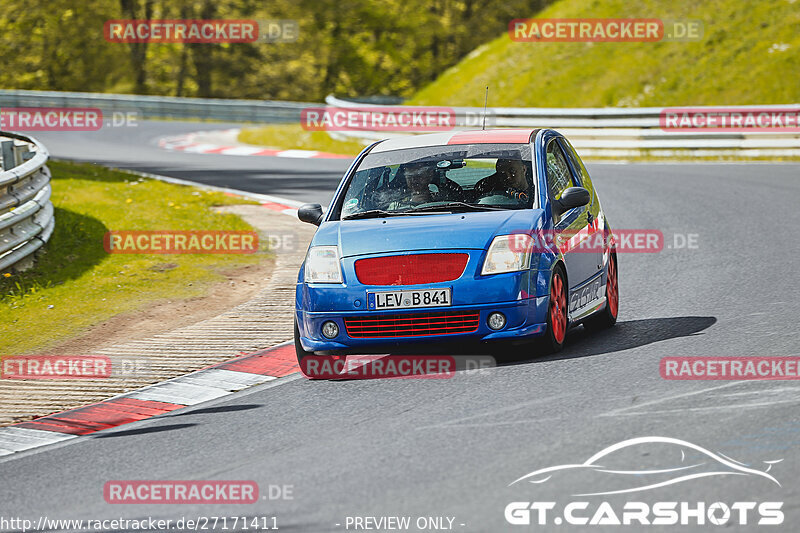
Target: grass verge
{"x": 76, "y": 284}
{"x": 294, "y": 137}
{"x": 749, "y": 54}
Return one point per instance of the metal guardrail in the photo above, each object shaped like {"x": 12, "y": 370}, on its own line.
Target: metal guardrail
{"x": 616, "y": 132}
{"x": 160, "y": 106}
{"x": 26, "y": 212}
{"x": 594, "y": 131}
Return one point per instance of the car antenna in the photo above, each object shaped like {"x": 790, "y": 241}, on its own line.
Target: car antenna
{"x": 485, "y": 101}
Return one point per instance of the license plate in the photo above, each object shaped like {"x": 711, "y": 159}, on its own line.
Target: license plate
{"x": 410, "y": 299}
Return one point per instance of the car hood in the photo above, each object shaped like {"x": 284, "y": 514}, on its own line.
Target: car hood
{"x": 426, "y": 232}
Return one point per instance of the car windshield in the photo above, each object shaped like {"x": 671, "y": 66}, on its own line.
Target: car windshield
{"x": 435, "y": 179}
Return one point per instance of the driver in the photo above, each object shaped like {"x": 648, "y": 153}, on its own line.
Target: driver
{"x": 509, "y": 177}
{"x": 419, "y": 176}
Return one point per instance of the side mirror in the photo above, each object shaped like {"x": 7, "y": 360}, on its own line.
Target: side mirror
{"x": 570, "y": 198}
{"x": 311, "y": 213}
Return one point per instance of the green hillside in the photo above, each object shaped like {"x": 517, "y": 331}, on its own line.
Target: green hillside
{"x": 749, "y": 54}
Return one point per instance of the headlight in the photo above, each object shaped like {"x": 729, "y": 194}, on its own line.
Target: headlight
{"x": 508, "y": 253}
{"x": 322, "y": 265}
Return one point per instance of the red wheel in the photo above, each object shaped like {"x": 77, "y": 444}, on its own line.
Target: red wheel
{"x": 556, "y": 313}
{"x": 607, "y": 317}
{"x": 558, "y": 308}
{"x": 612, "y": 291}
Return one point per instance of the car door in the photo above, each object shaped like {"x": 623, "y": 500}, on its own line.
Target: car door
{"x": 571, "y": 227}
{"x": 594, "y": 214}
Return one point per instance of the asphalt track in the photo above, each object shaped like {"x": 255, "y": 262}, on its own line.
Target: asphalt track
{"x": 136, "y": 148}
{"x": 451, "y": 447}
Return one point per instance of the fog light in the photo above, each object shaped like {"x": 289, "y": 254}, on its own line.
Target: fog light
{"x": 330, "y": 329}
{"x": 496, "y": 320}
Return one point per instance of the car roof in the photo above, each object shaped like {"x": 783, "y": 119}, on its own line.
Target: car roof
{"x": 495, "y": 136}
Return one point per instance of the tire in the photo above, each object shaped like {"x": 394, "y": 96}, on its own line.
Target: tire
{"x": 302, "y": 354}
{"x": 553, "y": 339}
{"x": 298, "y": 348}
{"x": 607, "y": 317}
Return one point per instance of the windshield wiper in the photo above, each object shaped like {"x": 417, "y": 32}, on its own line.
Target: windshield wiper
{"x": 376, "y": 213}
{"x": 458, "y": 205}
{"x": 442, "y": 208}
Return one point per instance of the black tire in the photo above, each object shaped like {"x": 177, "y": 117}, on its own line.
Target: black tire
{"x": 553, "y": 339}
{"x": 302, "y": 354}
{"x": 607, "y": 317}
{"x": 298, "y": 348}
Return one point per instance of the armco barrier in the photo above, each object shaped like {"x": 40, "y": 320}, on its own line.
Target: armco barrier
{"x": 612, "y": 132}
{"x": 160, "y": 106}
{"x": 617, "y": 132}
{"x": 26, "y": 213}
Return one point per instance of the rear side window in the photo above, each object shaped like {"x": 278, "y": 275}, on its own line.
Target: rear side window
{"x": 558, "y": 173}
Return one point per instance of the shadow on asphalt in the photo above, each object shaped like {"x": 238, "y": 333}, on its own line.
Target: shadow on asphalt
{"x": 579, "y": 343}
{"x": 142, "y": 431}
{"x": 219, "y": 409}
{"x": 624, "y": 336}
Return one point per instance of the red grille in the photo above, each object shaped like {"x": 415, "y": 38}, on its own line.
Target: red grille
{"x": 415, "y": 269}
{"x": 412, "y": 325}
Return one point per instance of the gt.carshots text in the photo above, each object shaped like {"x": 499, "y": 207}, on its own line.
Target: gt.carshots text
{"x": 638, "y": 467}
{"x": 662, "y": 513}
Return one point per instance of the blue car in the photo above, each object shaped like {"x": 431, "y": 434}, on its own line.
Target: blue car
{"x": 458, "y": 236}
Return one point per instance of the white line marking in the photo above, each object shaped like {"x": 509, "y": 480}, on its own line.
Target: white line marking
{"x": 18, "y": 439}
{"x": 619, "y": 410}
{"x": 241, "y": 150}
{"x": 297, "y": 153}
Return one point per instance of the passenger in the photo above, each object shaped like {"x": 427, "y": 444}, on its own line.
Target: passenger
{"x": 509, "y": 177}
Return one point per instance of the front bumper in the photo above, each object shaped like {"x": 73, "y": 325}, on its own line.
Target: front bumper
{"x": 521, "y": 296}
{"x": 524, "y": 318}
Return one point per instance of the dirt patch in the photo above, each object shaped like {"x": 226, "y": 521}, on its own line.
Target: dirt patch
{"x": 239, "y": 286}
{"x": 251, "y": 310}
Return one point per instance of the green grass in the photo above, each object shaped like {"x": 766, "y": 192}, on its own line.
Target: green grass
{"x": 294, "y": 137}
{"x": 76, "y": 284}
{"x": 731, "y": 65}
